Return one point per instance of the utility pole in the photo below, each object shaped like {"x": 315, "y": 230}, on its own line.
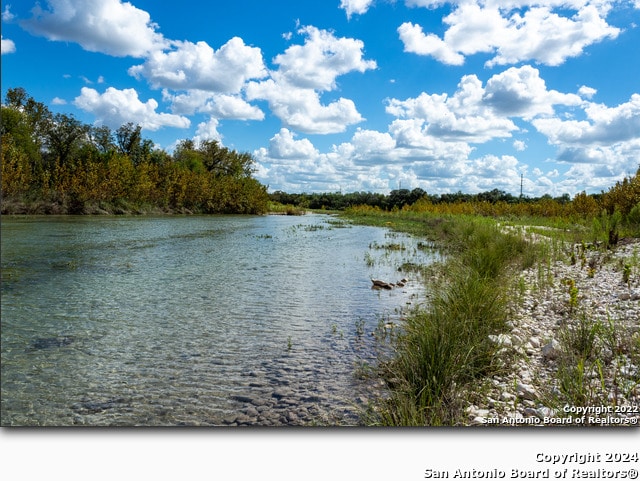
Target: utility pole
{"x": 521, "y": 182}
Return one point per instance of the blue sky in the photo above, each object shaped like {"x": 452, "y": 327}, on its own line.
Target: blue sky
{"x": 353, "y": 95}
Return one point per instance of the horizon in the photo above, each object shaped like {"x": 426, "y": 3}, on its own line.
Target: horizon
{"x": 354, "y": 95}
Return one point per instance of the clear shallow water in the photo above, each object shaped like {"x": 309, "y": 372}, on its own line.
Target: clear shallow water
{"x": 193, "y": 320}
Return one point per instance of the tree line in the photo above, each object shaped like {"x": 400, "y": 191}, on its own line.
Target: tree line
{"x": 397, "y": 199}
{"x": 53, "y": 163}
{"x": 623, "y": 197}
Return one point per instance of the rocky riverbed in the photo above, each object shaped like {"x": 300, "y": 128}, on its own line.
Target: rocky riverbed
{"x": 593, "y": 294}
{"x": 542, "y": 311}
{"x": 285, "y": 393}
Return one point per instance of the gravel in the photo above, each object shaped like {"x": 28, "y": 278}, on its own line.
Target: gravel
{"x": 541, "y": 308}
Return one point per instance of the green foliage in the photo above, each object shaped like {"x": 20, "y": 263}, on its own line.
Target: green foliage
{"x": 591, "y": 352}
{"x": 64, "y": 138}
{"x": 573, "y": 295}
{"x": 54, "y": 163}
{"x": 606, "y": 228}
{"x": 623, "y": 196}
{"x": 633, "y": 220}
{"x": 445, "y": 349}
{"x": 585, "y": 205}
{"x": 574, "y": 380}
{"x": 442, "y": 353}
{"x": 626, "y": 273}
{"x": 580, "y": 338}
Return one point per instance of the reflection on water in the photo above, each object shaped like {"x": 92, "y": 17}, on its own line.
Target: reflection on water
{"x": 193, "y": 320}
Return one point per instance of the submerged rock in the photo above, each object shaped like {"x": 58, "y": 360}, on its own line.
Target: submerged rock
{"x": 50, "y": 342}
{"x": 93, "y": 407}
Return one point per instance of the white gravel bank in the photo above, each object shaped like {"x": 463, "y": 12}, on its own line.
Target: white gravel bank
{"x": 542, "y": 308}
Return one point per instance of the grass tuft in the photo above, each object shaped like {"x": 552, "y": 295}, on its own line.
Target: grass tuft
{"x": 444, "y": 349}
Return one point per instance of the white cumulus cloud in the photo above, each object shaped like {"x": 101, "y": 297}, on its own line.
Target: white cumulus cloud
{"x": 296, "y": 165}
{"x": 520, "y": 91}
{"x": 519, "y": 145}
{"x": 198, "y": 66}
{"x": 604, "y": 126}
{"x": 587, "y": 92}
{"x": 112, "y": 27}
{"x": 283, "y": 146}
{"x": 477, "y": 113}
{"x": 357, "y": 7}
{"x": 207, "y": 131}
{"x": 371, "y": 145}
{"x": 322, "y": 58}
{"x": 7, "y": 46}
{"x": 304, "y": 72}
{"x": 301, "y": 109}
{"x": 545, "y": 31}
{"x": 415, "y": 41}
{"x": 607, "y": 140}
{"x": 221, "y": 106}
{"x": 117, "y": 107}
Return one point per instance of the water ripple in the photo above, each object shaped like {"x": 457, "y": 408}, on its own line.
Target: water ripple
{"x": 192, "y": 320}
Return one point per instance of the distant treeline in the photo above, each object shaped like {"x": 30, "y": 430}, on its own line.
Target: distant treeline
{"x": 53, "y": 163}
{"x": 623, "y": 197}
{"x": 396, "y": 199}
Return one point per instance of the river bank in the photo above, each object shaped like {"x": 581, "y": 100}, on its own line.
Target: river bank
{"x": 521, "y": 326}
{"x": 585, "y": 300}
{"x": 43, "y": 207}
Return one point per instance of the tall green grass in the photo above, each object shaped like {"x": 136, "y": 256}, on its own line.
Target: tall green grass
{"x": 591, "y": 363}
{"x": 445, "y": 348}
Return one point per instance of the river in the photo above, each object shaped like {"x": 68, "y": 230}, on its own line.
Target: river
{"x": 196, "y": 320}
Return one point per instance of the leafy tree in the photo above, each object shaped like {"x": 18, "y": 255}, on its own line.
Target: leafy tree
{"x": 623, "y": 196}
{"x": 15, "y": 124}
{"x": 89, "y": 167}
{"x": 398, "y": 198}
{"x": 222, "y": 161}
{"x": 16, "y": 98}
{"x": 159, "y": 157}
{"x": 102, "y": 138}
{"x": 585, "y": 205}
{"x": 37, "y": 114}
{"x": 128, "y": 137}
{"x": 16, "y": 170}
{"x": 64, "y": 136}
{"x": 130, "y": 142}
{"x": 187, "y": 155}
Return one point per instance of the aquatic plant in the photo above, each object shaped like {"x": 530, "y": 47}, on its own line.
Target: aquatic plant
{"x": 360, "y": 327}
{"x": 369, "y": 260}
